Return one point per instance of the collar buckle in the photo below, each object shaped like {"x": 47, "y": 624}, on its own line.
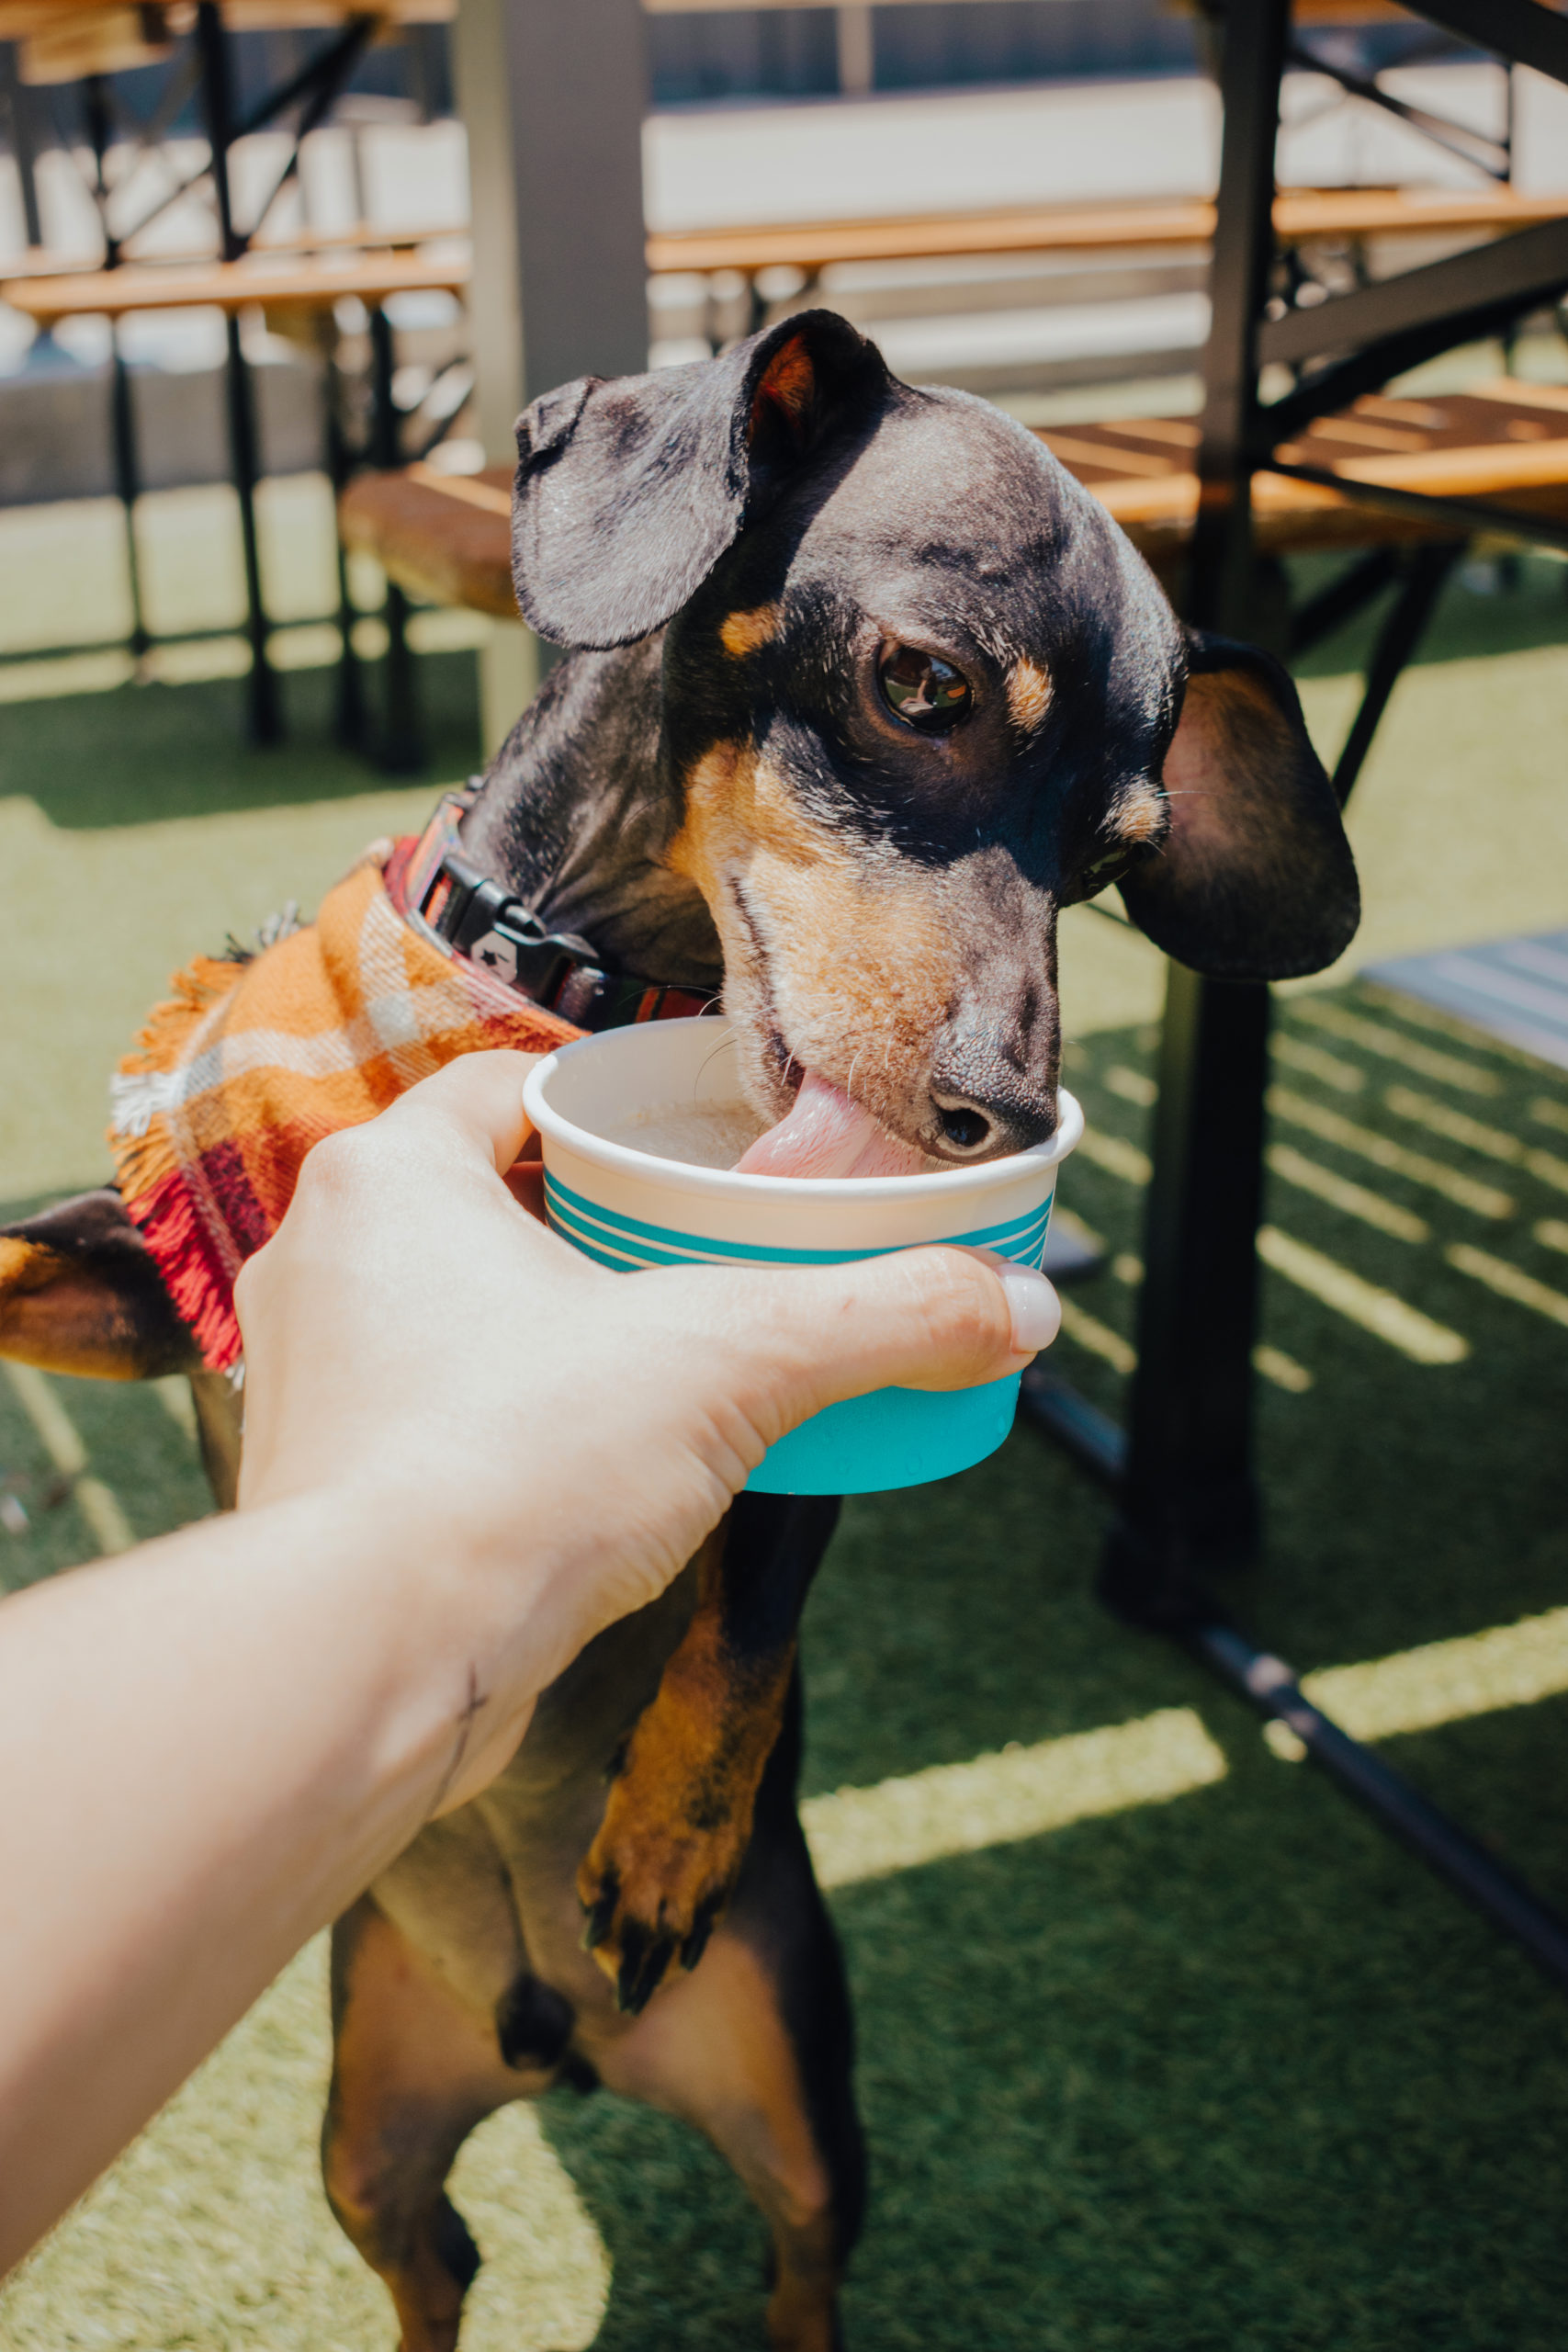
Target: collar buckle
{"x": 478, "y": 918}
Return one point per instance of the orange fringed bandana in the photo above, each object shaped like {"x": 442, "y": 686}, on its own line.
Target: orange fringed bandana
{"x": 251, "y": 1061}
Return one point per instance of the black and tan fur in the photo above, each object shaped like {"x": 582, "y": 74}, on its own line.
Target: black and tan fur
{"x": 713, "y": 790}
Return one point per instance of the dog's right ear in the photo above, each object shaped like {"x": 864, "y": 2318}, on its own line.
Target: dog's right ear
{"x": 630, "y": 488}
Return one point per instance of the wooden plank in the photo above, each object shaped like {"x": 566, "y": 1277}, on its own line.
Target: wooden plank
{"x": 1510, "y": 388}
{"x": 1300, "y": 216}
{"x": 435, "y": 536}
{"x": 1487, "y": 472}
{"x": 22, "y": 19}
{"x": 813, "y": 244}
{"x": 227, "y": 286}
{"x": 363, "y": 236}
{"x": 447, "y": 537}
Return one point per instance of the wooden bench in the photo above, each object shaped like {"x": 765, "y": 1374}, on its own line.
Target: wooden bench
{"x": 63, "y": 41}
{"x": 361, "y": 236}
{"x": 298, "y": 298}
{"x": 1302, "y": 216}
{"x": 446, "y": 538}
{"x": 230, "y": 286}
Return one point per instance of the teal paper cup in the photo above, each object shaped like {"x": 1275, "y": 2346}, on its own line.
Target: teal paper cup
{"x": 631, "y": 1207}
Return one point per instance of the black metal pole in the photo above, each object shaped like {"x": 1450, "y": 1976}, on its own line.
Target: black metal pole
{"x": 402, "y": 750}
{"x": 122, "y": 414}
{"x": 340, "y": 462}
{"x": 266, "y": 717}
{"x": 128, "y": 486}
{"x": 244, "y": 449}
{"x": 1401, "y": 633}
{"x": 24, "y": 144}
{"x": 1190, "y": 1495}
{"x": 1273, "y": 1690}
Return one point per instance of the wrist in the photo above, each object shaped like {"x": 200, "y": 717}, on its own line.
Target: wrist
{"x": 441, "y": 1610}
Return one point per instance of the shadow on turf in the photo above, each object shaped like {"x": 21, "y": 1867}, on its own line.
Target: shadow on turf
{"x": 145, "y": 754}
{"x": 1513, "y": 613}
{"x": 1230, "y": 2071}
{"x": 141, "y": 755}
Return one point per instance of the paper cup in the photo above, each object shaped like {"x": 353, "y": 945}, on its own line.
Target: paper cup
{"x": 630, "y": 1209}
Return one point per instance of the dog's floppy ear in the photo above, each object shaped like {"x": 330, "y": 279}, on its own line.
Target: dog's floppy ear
{"x": 1253, "y": 880}
{"x": 630, "y": 488}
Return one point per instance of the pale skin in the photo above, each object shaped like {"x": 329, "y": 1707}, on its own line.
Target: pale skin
{"x": 467, "y": 1450}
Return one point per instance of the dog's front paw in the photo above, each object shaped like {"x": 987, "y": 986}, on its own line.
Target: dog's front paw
{"x": 653, "y": 1887}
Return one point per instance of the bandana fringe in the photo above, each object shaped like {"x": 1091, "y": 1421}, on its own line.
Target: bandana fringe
{"x": 244, "y": 1067}
{"x": 194, "y": 1275}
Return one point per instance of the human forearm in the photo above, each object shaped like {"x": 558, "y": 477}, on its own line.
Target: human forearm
{"x": 467, "y": 1450}
{"x": 205, "y": 1822}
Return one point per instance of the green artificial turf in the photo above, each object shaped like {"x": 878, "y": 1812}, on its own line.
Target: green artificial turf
{"x": 1225, "y": 2071}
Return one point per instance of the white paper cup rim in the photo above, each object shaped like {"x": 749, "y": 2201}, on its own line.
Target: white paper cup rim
{"x": 682, "y": 1176}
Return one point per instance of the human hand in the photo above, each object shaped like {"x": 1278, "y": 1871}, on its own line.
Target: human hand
{"x": 557, "y": 1437}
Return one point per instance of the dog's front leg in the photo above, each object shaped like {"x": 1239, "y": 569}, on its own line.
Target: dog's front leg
{"x": 80, "y": 1293}
{"x": 676, "y": 1826}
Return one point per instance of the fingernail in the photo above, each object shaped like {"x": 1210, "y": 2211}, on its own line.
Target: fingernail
{"x": 1036, "y": 1310}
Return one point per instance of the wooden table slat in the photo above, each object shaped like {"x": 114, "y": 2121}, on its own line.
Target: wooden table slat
{"x": 227, "y": 286}
{"x": 447, "y": 537}
{"x": 1300, "y": 215}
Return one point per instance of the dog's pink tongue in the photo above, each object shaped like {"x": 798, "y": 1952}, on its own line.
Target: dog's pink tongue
{"x": 826, "y": 1134}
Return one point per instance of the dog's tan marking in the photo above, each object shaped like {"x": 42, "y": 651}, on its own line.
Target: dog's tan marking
{"x": 62, "y": 1317}
{"x": 1140, "y": 816}
{"x": 716, "y": 2050}
{"x": 678, "y": 1820}
{"x": 743, "y": 633}
{"x": 1029, "y": 693}
{"x": 413, "y": 2071}
{"x": 856, "y": 959}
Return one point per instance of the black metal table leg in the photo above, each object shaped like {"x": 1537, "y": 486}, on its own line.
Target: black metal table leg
{"x": 266, "y": 715}
{"x": 266, "y": 712}
{"x": 128, "y": 486}
{"x": 1424, "y": 578}
{"x": 403, "y": 748}
{"x": 99, "y": 119}
{"x": 24, "y": 142}
{"x": 1190, "y": 1492}
{"x": 1272, "y": 1687}
{"x": 1190, "y": 1495}
{"x": 351, "y": 720}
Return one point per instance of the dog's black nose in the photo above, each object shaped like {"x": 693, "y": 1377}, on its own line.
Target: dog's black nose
{"x": 1005, "y": 1111}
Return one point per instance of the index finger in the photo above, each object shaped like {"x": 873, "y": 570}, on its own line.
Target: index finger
{"x": 482, "y": 1096}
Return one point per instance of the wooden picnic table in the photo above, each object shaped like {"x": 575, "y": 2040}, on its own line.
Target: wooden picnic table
{"x": 1302, "y": 216}
{"x": 360, "y": 237}
{"x": 230, "y": 286}
{"x": 446, "y": 538}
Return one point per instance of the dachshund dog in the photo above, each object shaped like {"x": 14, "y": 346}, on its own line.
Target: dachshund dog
{"x": 863, "y": 687}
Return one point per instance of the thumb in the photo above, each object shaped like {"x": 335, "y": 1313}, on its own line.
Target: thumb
{"x": 478, "y": 1098}
{"x": 937, "y": 1317}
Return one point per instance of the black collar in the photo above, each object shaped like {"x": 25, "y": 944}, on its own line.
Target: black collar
{"x": 464, "y": 911}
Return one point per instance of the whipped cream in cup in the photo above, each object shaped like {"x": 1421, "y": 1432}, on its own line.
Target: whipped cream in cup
{"x": 639, "y": 1129}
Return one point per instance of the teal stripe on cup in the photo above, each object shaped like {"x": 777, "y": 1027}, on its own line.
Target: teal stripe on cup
{"x": 632, "y": 1210}
{"x": 895, "y": 1437}
{"x": 638, "y": 1243}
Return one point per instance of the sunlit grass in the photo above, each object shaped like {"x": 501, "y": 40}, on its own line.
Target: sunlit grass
{"x": 1442, "y": 1682}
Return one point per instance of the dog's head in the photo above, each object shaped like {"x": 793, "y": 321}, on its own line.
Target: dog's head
{"x": 919, "y": 693}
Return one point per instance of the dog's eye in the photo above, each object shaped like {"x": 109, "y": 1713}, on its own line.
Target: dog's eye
{"x": 923, "y": 689}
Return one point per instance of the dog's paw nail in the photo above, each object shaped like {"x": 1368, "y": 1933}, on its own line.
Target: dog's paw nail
{"x": 599, "y": 1914}
{"x": 702, "y": 1927}
{"x": 645, "y": 1963}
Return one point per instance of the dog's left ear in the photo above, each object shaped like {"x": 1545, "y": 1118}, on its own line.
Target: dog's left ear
{"x": 1253, "y": 880}
{"x": 630, "y": 488}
